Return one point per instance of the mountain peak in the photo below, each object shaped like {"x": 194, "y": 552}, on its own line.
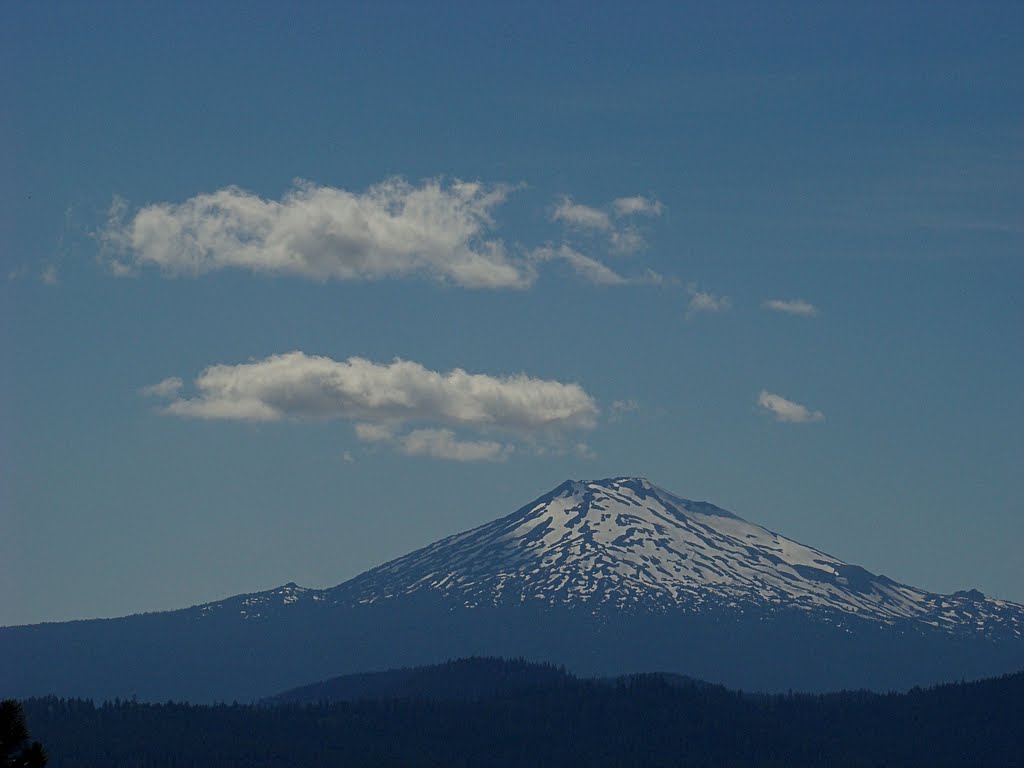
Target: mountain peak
{"x": 636, "y": 489}
{"x": 635, "y": 482}
{"x": 618, "y": 541}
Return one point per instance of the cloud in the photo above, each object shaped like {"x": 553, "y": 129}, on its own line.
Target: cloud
{"x": 382, "y": 398}
{"x": 650, "y": 277}
{"x": 621, "y": 239}
{"x": 627, "y": 241}
{"x": 392, "y": 230}
{"x": 637, "y": 206}
{"x": 791, "y": 307}
{"x": 786, "y": 410}
{"x": 49, "y": 275}
{"x": 374, "y": 433}
{"x": 296, "y": 386}
{"x": 442, "y": 444}
{"x": 592, "y": 270}
{"x": 621, "y": 407}
{"x": 703, "y": 301}
{"x": 167, "y": 388}
{"x": 581, "y": 216}
{"x": 589, "y": 269}
{"x": 434, "y": 230}
{"x": 435, "y": 443}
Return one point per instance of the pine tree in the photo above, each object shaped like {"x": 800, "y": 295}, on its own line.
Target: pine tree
{"x": 14, "y": 749}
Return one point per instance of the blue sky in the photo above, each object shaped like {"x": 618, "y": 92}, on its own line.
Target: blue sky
{"x": 288, "y": 291}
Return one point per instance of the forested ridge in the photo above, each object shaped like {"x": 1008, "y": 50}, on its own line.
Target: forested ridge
{"x": 643, "y": 720}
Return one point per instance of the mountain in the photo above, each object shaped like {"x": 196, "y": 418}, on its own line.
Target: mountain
{"x": 628, "y": 544}
{"x": 605, "y": 577}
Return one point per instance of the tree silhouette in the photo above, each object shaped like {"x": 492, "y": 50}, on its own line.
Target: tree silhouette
{"x": 14, "y": 749}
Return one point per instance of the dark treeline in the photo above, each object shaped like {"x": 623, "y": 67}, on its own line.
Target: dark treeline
{"x": 647, "y": 720}
{"x": 474, "y": 678}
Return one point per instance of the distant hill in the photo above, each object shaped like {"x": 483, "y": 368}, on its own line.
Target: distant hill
{"x": 469, "y": 679}
{"x": 640, "y": 720}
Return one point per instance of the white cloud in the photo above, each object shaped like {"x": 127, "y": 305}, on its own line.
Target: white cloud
{"x": 786, "y": 410}
{"x": 347, "y": 457}
{"x": 167, "y": 388}
{"x": 374, "y": 433}
{"x": 637, "y": 206}
{"x": 791, "y": 307}
{"x": 435, "y": 443}
{"x": 650, "y": 277}
{"x": 442, "y": 444}
{"x": 49, "y": 275}
{"x": 381, "y": 398}
{"x": 394, "y": 229}
{"x": 590, "y": 269}
{"x": 305, "y": 387}
{"x": 622, "y": 240}
{"x": 582, "y": 216}
{"x": 627, "y": 241}
{"x": 703, "y": 301}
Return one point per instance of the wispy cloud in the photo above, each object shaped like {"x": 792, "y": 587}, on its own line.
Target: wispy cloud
{"x": 393, "y": 229}
{"x": 705, "y": 301}
{"x": 581, "y": 216}
{"x": 626, "y": 241}
{"x": 623, "y": 238}
{"x": 49, "y": 275}
{"x": 167, "y": 388}
{"x": 791, "y": 307}
{"x": 786, "y": 410}
{"x": 374, "y": 433}
{"x": 637, "y": 206}
{"x": 435, "y": 443}
{"x": 589, "y": 269}
{"x": 381, "y": 399}
{"x": 619, "y": 408}
{"x": 592, "y": 270}
{"x": 442, "y": 444}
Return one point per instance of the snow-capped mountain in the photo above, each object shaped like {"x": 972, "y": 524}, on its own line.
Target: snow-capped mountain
{"x": 607, "y": 577}
{"x": 625, "y": 543}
